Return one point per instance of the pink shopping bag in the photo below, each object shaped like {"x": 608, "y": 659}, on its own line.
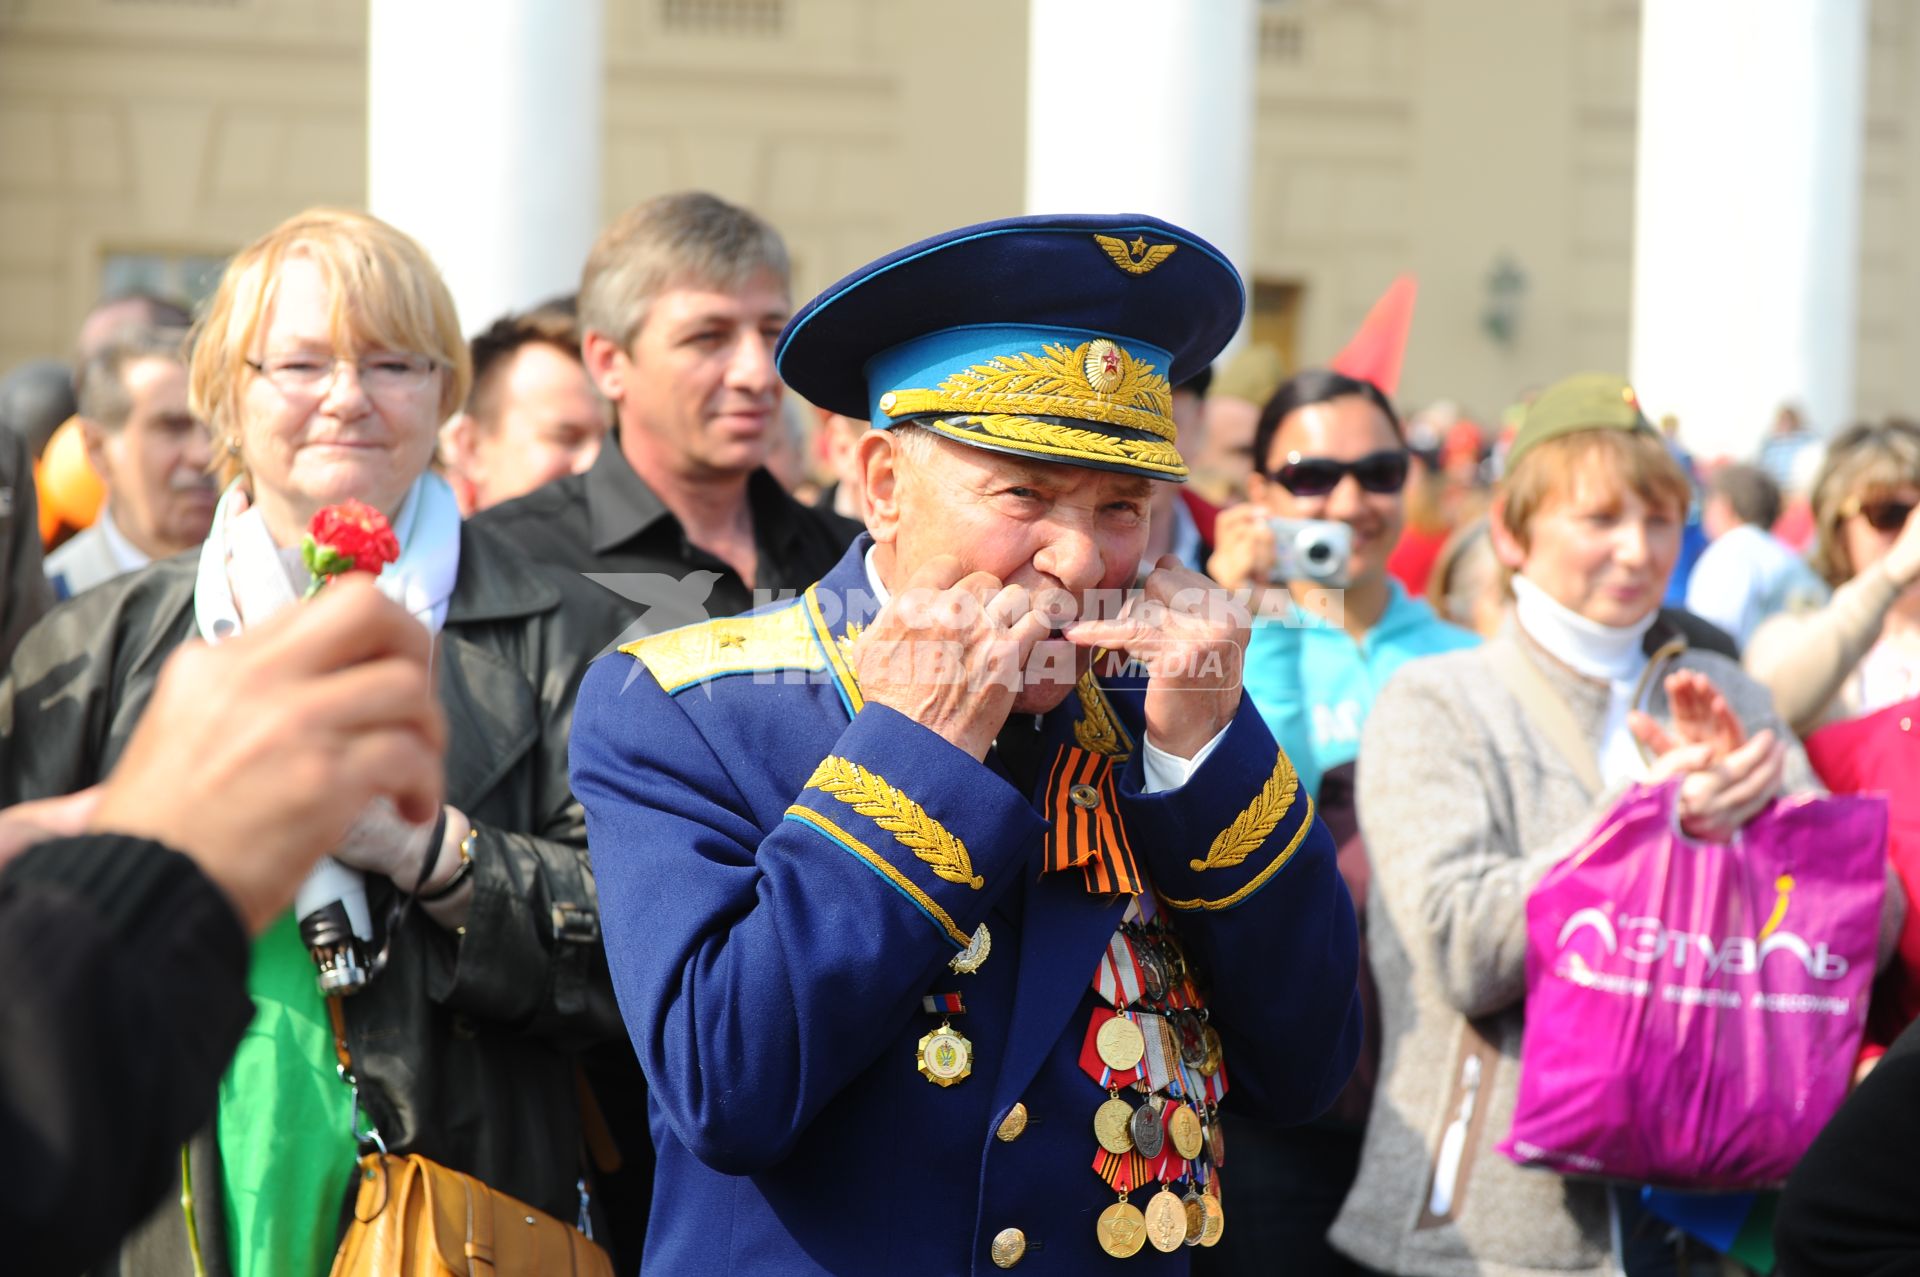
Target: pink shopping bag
{"x": 1693, "y": 1009}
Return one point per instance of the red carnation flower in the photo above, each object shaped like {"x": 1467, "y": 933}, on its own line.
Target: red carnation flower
{"x": 349, "y": 537}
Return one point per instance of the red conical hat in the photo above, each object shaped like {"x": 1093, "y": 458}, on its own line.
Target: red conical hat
{"x": 1376, "y": 351}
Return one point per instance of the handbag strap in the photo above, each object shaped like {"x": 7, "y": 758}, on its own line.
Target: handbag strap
{"x": 337, "y": 1018}
{"x": 1550, "y": 714}
{"x": 479, "y": 1242}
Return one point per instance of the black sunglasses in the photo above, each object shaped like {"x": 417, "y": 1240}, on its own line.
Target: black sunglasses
{"x": 1882, "y": 516}
{"x": 1379, "y": 472}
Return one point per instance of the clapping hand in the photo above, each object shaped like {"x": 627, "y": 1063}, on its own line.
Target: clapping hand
{"x": 1727, "y": 779}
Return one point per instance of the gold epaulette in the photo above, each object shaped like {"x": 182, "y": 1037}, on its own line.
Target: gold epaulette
{"x": 756, "y": 644}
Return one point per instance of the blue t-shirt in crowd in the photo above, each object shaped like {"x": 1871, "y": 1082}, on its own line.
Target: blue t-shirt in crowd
{"x": 1314, "y": 685}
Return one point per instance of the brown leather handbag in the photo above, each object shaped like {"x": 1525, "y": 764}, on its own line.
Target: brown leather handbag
{"x": 416, "y": 1218}
{"x": 413, "y": 1217}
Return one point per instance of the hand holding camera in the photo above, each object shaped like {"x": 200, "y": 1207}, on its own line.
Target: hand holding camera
{"x": 1252, "y": 549}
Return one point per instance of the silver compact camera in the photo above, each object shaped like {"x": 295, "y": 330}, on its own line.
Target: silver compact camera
{"x": 1311, "y": 550}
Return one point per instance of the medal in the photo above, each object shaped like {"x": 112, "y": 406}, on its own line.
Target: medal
{"x": 1184, "y": 1126}
{"x": 1148, "y": 1135}
{"x": 1193, "y": 1042}
{"x": 946, "y": 1056}
{"x": 1120, "y": 1043}
{"x": 968, "y": 960}
{"x": 1215, "y": 1051}
{"x": 1166, "y": 1221}
{"x": 1122, "y": 1230}
{"x": 1216, "y": 1219}
{"x": 1110, "y": 1125}
{"x": 1216, "y": 1140}
{"x": 1153, "y": 972}
{"x": 1196, "y": 1213}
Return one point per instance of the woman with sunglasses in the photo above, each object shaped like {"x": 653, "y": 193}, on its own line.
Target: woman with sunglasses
{"x": 1328, "y": 447}
{"x": 1861, "y": 652}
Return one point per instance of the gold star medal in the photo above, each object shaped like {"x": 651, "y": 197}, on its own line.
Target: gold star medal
{"x": 944, "y": 1054}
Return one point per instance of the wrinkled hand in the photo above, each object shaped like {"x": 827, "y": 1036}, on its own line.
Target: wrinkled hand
{"x": 1243, "y": 549}
{"x": 1191, "y": 636}
{"x": 255, "y": 757}
{"x": 24, "y": 824}
{"x": 1701, "y": 716}
{"x": 1717, "y": 797}
{"x": 949, "y": 651}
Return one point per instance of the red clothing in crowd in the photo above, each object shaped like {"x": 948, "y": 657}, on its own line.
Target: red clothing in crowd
{"x": 1880, "y": 753}
{"x": 1412, "y": 560}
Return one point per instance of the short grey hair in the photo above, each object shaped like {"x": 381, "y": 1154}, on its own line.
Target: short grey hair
{"x": 688, "y": 238}
{"x": 100, "y": 385}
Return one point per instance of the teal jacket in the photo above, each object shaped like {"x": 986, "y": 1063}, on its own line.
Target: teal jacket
{"x": 1315, "y": 686}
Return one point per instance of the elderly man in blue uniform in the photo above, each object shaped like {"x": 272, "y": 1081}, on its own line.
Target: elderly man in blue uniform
{"x": 942, "y": 901}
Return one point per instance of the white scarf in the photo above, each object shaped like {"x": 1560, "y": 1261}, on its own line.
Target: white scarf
{"x": 242, "y": 571}
{"x": 1614, "y": 655}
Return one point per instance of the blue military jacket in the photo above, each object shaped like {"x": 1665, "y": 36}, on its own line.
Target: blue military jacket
{"x": 786, "y": 871}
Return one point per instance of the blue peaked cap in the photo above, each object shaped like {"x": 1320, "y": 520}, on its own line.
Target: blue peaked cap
{"x": 1053, "y": 337}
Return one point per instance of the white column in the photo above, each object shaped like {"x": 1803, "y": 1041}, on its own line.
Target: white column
{"x": 1140, "y": 106}
{"x": 483, "y": 141}
{"x": 1746, "y": 213}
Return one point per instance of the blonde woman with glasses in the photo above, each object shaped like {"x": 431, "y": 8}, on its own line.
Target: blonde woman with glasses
{"x": 324, "y": 365}
{"x": 1861, "y": 652}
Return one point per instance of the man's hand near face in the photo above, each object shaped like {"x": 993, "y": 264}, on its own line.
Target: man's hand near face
{"x": 1191, "y": 636}
{"x": 949, "y": 651}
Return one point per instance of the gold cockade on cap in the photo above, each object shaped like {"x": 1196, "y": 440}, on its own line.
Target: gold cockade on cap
{"x": 1098, "y": 381}
{"x": 1136, "y": 258}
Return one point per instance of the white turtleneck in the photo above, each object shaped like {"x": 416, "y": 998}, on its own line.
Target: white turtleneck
{"x": 1614, "y": 655}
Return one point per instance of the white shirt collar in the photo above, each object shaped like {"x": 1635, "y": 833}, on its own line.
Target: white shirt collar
{"x": 127, "y": 556}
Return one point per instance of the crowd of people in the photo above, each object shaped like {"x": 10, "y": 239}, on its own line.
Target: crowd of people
{"x": 690, "y": 871}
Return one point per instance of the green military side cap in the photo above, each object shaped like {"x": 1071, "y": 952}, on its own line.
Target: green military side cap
{"x": 1584, "y": 401}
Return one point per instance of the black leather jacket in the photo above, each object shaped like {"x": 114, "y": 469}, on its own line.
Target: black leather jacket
{"x": 465, "y": 1044}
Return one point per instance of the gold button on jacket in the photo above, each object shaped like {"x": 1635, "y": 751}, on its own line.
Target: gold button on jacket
{"x": 1009, "y": 1244}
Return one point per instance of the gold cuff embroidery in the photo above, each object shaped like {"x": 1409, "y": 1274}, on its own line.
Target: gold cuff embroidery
{"x": 1259, "y": 879}
{"x": 1251, "y": 827}
{"x": 908, "y": 822}
{"x": 878, "y": 862}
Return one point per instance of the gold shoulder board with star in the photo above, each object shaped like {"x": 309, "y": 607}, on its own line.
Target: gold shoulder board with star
{"x": 761, "y": 643}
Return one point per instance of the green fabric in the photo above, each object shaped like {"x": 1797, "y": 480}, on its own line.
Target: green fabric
{"x": 285, "y": 1122}
{"x": 1754, "y": 1246}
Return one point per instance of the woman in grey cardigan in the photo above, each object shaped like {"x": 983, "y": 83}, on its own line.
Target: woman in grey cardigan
{"x": 1481, "y": 769}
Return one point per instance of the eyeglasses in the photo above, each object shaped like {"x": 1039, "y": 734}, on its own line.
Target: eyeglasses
{"x": 1378, "y": 472}
{"x": 307, "y": 375}
{"x": 1882, "y": 516}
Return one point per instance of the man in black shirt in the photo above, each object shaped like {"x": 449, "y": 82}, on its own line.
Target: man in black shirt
{"x": 681, "y": 301}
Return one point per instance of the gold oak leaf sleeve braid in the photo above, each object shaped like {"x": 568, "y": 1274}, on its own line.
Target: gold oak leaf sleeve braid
{"x": 1250, "y": 828}
{"x": 909, "y": 823}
